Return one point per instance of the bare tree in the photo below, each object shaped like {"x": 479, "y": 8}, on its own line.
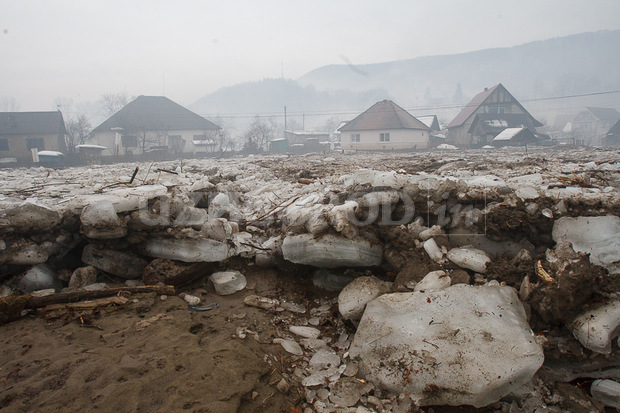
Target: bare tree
{"x": 113, "y": 102}
{"x": 8, "y": 104}
{"x": 258, "y": 135}
{"x": 77, "y": 132}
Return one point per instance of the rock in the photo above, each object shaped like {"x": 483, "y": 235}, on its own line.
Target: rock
{"x": 347, "y": 392}
{"x": 433, "y": 250}
{"x": 283, "y": 386}
{"x": 470, "y": 258}
{"x": 95, "y": 287}
{"x": 99, "y": 220}
{"x": 191, "y": 299}
{"x": 595, "y": 329}
{"x": 330, "y": 281}
{"x": 331, "y": 251}
{"x": 39, "y": 277}
{"x": 290, "y": 346}
{"x": 467, "y": 345}
{"x": 353, "y": 298}
{"x": 170, "y": 272}
{"x": 460, "y": 277}
{"x": 323, "y": 359}
{"x": 606, "y": 392}
{"x": 306, "y": 332}
{"x": 293, "y": 307}
{"x": 122, "y": 264}
{"x": 82, "y": 277}
{"x": 188, "y": 250}
{"x": 597, "y": 236}
{"x": 228, "y": 282}
{"x": 261, "y": 302}
{"x": 350, "y": 370}
{"x": 434, "y": 281}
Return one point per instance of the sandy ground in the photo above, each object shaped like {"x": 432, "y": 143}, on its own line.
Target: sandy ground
{"x": 151, "y": 355}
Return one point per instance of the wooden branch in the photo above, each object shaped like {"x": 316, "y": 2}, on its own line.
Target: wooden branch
{"x": 12, "y": 306}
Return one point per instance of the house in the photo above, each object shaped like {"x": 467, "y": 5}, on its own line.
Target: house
{"x": 612, "y": 138}
{"x": 24, "y": 134}
{"x": 384, "y": 126}
{"x": 515, "y": 137}
{"x": 430, "y": 121}
{"x": 156, "y": 123}
{"x": 590, "y": 125}
{"x": 486, "y": 115}
{"x": 308, "y": 141}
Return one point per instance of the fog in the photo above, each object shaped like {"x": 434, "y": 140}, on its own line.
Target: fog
{"x": 68, "y": 53}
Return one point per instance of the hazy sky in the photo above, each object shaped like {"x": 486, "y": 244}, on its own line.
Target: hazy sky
{"x": 79, "y": 50}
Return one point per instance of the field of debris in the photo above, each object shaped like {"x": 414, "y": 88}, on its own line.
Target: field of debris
{"x": 439, "y": 281}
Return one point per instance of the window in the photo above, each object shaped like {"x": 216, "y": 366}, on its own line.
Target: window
{"x": 355, "y": 137}
{"x": 384, "y": 137}
{"x": 176, "y": 142}
{"x": 4, "y": 144}
{"x": 129, "y": 141}
{"x": 35, "y": 143}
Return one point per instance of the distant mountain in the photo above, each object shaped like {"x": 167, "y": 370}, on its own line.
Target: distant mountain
{"x": 562, "y": 66}
{"x": 269, "y": 96}
{"x": 556, "y": 67}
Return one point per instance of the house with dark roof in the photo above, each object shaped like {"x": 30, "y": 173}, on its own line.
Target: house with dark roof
{"x": 22, "y": 133}
{"x": 612, "y": 138}
{"x": 486, "y": 115}
{"x": 590, "y": 125}
{"x": 384, "y": 126}
{"x": 156, "y": 123}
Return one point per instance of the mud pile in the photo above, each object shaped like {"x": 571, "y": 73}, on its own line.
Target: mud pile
{"x": 502, "y": 270}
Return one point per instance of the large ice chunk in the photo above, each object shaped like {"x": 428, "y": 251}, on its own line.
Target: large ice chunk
{"x": 462, "y": 345}
{"x": 595, "y": 329}
{"x": 188, "y": 250}
{"x": 470, "y": 258}
{"x": 99, "y": 220}
{"x": 29, "y": 217}
{"x": 597, "y": 236}
{"x": 125, "y": 199}
{"x": 39, "y": 277}
{"x": 354, "y": 297}
{"x": 331, "y": 251}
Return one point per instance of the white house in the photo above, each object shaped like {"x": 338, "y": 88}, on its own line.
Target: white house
{"x": 156, "y": 123}
{"x": 385, "y": 126}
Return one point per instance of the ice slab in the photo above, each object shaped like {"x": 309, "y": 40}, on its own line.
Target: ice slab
{"x": 124, "y": 200}
{"x": 99, "y": 220}
{"x": 595, "y": 329}
{"x": 353, "y": 298}
{"x": 188, "y": 250}
{"x": 228, "y": 282}
{"x": 597, "y": 236}
{"x": 331, "y": 251}
{"x": 462, "y": 345}
{"x": 470, "y": 258}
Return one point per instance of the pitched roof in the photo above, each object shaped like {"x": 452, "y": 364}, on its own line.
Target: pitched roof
{"x": 384, "y": 115}
{"x": 155, "y": 113}
{"x": 508, "y": 133}
{"x": 609, "y": 114}
{"x": 478, "y": 100}
{"x": 615, "y": 130}
{"x": 31, "y": 123}
{"x": 430, "y": 121}
{"x": 497, "y": 122}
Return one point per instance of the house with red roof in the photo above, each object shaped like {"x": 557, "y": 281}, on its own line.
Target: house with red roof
{"x": 486, "y": 116}
{"x": 385, "y": 126}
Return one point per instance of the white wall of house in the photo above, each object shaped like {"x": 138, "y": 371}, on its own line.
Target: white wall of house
{"x": 370, "y": 140}
{"x": 113, "y": 142}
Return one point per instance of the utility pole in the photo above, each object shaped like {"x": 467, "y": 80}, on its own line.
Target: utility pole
{"x": 285, "y": 118}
